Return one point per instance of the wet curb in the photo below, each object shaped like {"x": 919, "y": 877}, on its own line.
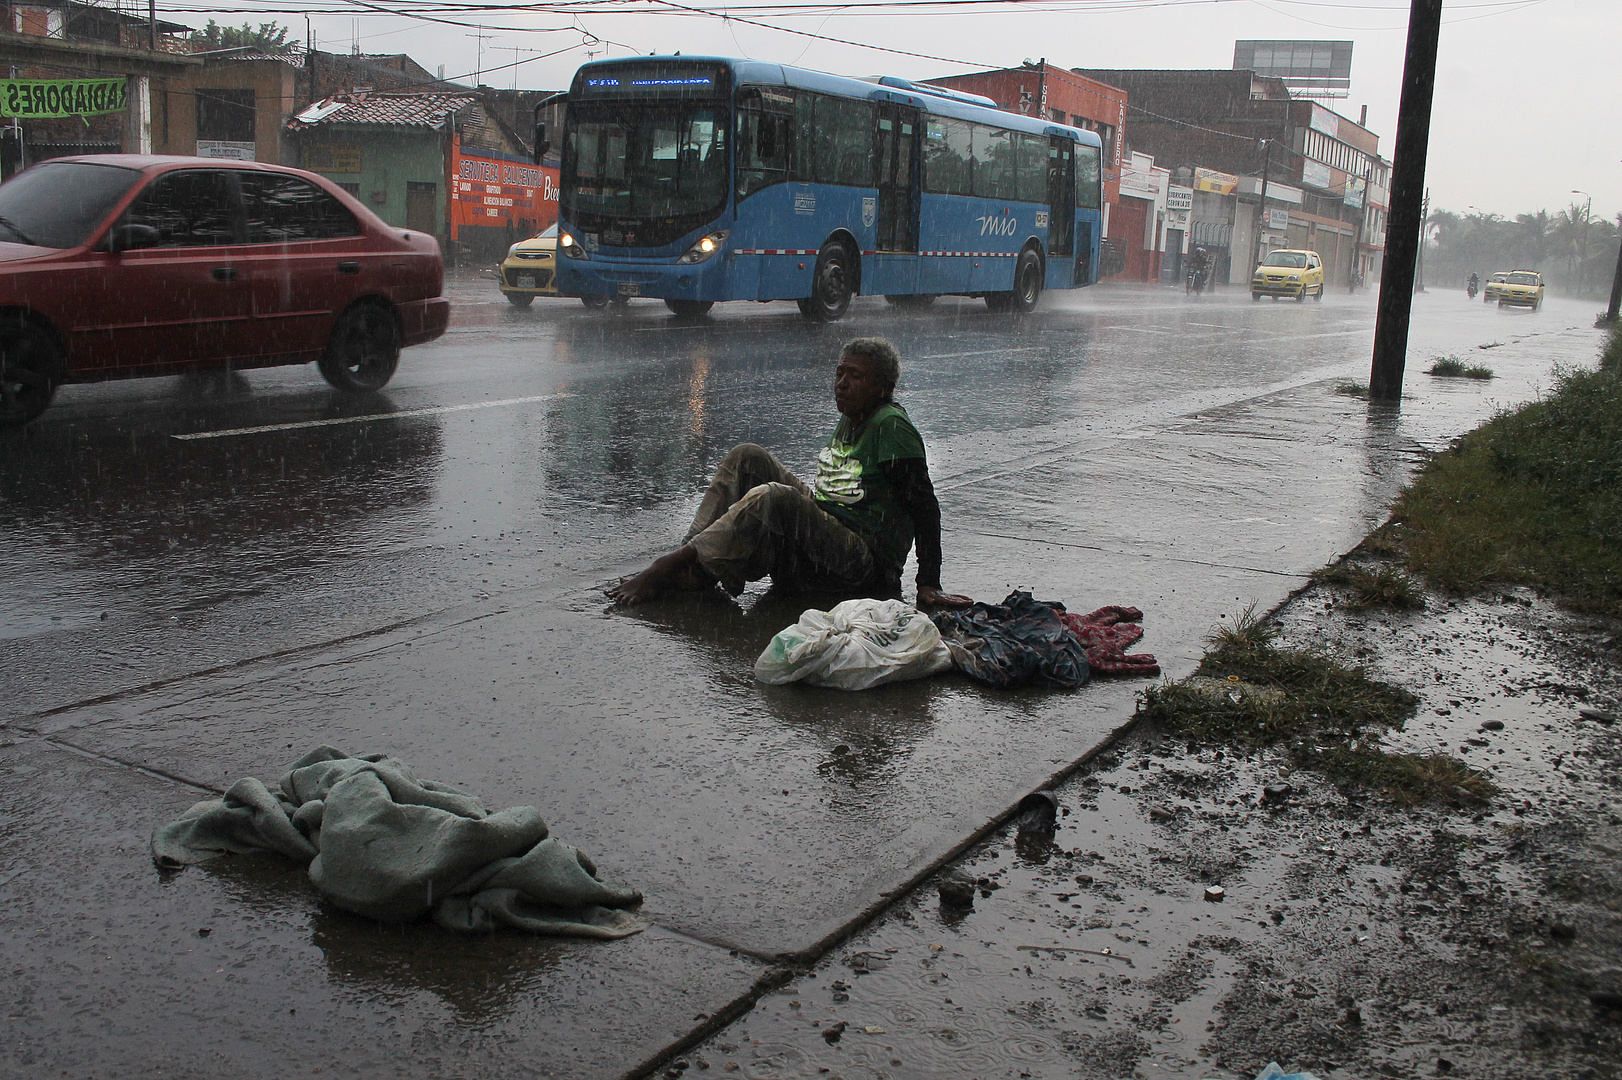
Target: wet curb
{"x": 784, "y": 967}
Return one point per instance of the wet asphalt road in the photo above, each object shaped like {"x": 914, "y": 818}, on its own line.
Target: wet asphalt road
{"x": 212, "y": 575}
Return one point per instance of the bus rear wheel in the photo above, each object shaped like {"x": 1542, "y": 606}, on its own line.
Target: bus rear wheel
{"x": 832, "y": 284}
{"x": 1027, "y": 288}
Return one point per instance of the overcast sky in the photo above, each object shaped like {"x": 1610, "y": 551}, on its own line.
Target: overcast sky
{"x": 1528, "y": 92}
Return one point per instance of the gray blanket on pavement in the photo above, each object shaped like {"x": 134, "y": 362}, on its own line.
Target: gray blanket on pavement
{"x": 382, "y": 843}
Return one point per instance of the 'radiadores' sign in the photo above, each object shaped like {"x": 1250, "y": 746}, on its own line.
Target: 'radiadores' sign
{"x": 31, "y": 98}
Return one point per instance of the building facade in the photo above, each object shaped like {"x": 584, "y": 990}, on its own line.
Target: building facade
{"x": 1298, "y": 174}
{"x": 77, "y": 77}
{"x": 441, "y": 163}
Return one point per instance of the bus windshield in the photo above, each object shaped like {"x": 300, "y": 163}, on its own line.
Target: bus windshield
{"x": 626, "y": 163}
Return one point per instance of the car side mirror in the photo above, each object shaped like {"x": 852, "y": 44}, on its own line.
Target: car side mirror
{"x": 132, "y": 237}
{"x": 542, "y": 145}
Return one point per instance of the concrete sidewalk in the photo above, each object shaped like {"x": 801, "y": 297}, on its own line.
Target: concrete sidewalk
{"x": 761, "y": 823}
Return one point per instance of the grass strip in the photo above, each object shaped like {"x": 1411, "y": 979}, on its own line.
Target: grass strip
{"x": 1532, "y": 497}
{"x": 1251, "y": 693}
{"x": 1452, "y": 366}
{"x": 1386, "y": 586}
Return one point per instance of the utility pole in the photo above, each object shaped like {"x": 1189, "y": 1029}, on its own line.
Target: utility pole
{"x": 478, "y": 54}
{"x": 1261, "y": 210}
{"x": 1616, "y": 280}
{"x": 1583, "y": 258}
{"x": 1407, "y": 186}
{"x": 1424, "y": 226}
{"x": 1362, "y": 226}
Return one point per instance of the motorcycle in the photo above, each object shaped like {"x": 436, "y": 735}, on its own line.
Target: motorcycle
{"x": 1194, "y": 284}
{"x": 1472, "y": 288}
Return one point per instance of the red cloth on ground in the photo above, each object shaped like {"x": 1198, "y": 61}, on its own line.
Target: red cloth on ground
{"x": 1105, "y": 634}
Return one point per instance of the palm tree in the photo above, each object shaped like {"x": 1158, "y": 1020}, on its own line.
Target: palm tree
{"x": 1532, "y": 238}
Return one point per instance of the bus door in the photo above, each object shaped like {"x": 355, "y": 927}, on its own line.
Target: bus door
{"x": 1061, "y": 210}
{"x": 898, "y": 171}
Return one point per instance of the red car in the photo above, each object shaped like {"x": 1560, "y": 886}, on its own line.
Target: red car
{"x": 116, "y": 266}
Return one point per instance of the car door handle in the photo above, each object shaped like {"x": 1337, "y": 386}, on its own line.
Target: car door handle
{"x": 225, "y": 273}
{"x": 349, "y": 268}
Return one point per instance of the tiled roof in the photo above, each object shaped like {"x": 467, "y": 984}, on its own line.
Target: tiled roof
{"x": 293, "y": 57}
{"x": 408, "y": 110}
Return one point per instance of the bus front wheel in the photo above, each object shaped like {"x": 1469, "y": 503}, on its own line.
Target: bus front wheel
{"x": 690, "y": 309}
{"x": 832, "y": 284}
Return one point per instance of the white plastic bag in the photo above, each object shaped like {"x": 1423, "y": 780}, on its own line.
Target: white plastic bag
{"x": 858, "y": 645}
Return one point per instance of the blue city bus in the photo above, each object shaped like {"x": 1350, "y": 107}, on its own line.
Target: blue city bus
{"x": 699, "y": 179}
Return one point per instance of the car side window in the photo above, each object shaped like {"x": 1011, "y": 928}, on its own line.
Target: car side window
{"x": 281, "y": 209}
{"x": 194, "y": 208}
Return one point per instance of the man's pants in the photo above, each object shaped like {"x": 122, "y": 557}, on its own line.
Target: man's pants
{"x": 757, "y": 518}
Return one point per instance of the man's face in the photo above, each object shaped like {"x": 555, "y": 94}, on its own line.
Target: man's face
{"x": 857, "y": 392}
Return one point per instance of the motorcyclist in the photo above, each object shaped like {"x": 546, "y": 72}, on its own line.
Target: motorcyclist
{"x": 1474, "y": 286}
{"x": 1199, "y": 269}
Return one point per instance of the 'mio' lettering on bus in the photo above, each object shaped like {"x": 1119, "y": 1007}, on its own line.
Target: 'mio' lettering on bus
{"x": 993, "y": 225}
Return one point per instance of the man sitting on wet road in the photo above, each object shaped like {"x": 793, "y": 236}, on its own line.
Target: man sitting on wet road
{"x": 849, "y": 534}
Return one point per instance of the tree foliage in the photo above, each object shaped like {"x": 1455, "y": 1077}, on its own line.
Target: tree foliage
{"x": 270, "y": 37}
{"x": 1563, "y": 246}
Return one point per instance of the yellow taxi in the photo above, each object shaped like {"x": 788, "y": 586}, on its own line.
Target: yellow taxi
{"x": 1495, "y": 287}
{"x": 1521, "y": 288}
{"x": 530, "y": 268}
{"x": 1289, "y": 272}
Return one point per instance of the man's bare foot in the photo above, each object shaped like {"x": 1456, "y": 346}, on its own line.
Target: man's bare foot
{"x": 667, "y": 572}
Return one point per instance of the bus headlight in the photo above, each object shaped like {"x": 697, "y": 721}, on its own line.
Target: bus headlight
{"x": 706, "y": 247}
{"x": 570, "y": 246}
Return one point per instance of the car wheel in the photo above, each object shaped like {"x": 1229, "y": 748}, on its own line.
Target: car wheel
{"x": 1027, "y": 283}
{"x": 1318, "y": 296}
{"x": 690, "y": 309}
{"x": 912, "y": 301}
{"x": 520, "y": 299}
{"x": 594, "y": 301}
{"x": 833, "y": 282}
{"x": 30, "y": 367}
{"x": 1256, "y": 296}
{"x": 363, "y": 349}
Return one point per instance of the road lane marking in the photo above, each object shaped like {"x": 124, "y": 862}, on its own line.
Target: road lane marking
{"x": 433, "y": 411}
{"x": 982, "y": 352}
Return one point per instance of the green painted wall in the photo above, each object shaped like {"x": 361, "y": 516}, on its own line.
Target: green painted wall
{"x": 389, "y": 159}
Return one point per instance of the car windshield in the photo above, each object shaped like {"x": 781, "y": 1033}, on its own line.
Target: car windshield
{"x": 549, "y": 233}
{"x": 1499, "y": 277}
{"x": 59, "y": 204}
{"x": 1292, "y": 259}
{"x": 1523, "y": 279}
{"x": 644, "y": 161}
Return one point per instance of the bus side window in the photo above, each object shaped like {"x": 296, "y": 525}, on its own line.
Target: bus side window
{"x": 803, "y": 164}
{"x": 1033, "y": 168}
{"x": 1087, "y": 194}
{"x": 765, "y": 143}
{"x": 948, "y": 167}
{"x": 995, "y": 164}
{"x": 844, "y": 141}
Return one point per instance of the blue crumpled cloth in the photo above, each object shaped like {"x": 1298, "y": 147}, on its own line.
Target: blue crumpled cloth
{"x": 1017, "y": 641}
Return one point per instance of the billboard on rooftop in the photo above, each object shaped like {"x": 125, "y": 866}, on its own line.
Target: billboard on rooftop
{"x": 1308, "y": 68}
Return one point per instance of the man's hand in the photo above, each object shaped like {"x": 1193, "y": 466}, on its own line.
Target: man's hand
{"x": 931, "y": 596}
